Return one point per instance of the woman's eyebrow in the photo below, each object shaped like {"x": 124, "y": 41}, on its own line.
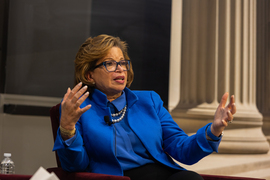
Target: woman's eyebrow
{"x": 114, "y": 59}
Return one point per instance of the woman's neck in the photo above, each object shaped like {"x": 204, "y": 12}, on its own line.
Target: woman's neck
{"x": 113, "y": 97}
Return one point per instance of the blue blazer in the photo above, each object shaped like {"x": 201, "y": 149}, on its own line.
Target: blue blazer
{"x": 93, "y": 148}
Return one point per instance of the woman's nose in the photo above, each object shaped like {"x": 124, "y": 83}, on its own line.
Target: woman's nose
{"x": 119, "y": 67}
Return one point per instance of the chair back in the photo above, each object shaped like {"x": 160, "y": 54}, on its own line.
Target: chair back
{"x": 55, "y": 122}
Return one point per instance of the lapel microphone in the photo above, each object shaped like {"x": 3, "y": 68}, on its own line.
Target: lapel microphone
{"x": 107, "y": 120}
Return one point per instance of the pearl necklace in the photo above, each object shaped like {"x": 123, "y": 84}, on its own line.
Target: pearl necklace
{"x": 123, "y": 112}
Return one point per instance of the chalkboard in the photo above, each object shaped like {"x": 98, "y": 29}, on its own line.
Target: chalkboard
{"x": 44, "y": 36}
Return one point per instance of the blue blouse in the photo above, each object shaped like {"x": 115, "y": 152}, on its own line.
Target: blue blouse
{"x": 129, "y": 149}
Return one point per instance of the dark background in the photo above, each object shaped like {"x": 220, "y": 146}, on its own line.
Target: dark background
{"x": 40, "y": 38}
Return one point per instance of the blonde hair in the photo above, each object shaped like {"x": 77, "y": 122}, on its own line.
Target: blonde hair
{"x": 94, "y": 49}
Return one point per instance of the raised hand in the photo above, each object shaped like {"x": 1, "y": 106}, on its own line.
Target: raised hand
{"x": 223, "y": 115}
{"x": 70, "y": 106}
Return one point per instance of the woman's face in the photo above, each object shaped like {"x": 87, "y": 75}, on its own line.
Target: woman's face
{"x": 110, "y": 83}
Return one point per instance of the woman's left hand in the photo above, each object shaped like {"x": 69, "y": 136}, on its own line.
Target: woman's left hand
{"x": 223, "y": 115}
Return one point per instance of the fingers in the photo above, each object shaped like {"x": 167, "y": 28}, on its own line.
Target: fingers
{"x": 233, "y": 108}
{"x": 231, "y": 105}
{"x": 232, "y": 99}
{"x": 86, "y": 108}
{"x": 223, "y": 100}
{"x": 227, "y": 120}
{"x": 71, "y": 110}
{"x": 82, "y": 98}
{"x": 225, "y": 115}
{"x": 75, "y": 90}
{"x": 67, "y": 94}
{"x": 76, "y": 96}
{"x": 225, "y": 123}
{"x": 76, "y": 93}
{"x": 79, "y": 97}
{"x": 230, "y": 117}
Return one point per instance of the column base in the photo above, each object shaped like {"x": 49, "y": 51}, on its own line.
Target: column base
{"x": 243, "y": 136}
{"x": 243, "y": 141}
{"x": 240, "y": 165}
{"x": 266, "y": 127}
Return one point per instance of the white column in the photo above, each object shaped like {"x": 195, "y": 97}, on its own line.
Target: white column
{"x": 218, "y": 55}
{"x": 175, "y": 52}
{"x": 263, "y": 65}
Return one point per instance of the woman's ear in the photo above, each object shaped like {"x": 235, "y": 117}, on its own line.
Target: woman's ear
{"x": 88, "y": 76}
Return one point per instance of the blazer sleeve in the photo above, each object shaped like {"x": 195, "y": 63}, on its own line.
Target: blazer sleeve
{"x": 185, "y": 149}
{"x": 73, "y": 158}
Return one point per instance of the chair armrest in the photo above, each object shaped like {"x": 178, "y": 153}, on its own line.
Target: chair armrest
{"x": 61, "y": 174}
{"x": 14, "y": 177}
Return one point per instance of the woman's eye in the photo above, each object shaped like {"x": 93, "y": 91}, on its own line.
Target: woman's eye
{"x": 110, "y": 63}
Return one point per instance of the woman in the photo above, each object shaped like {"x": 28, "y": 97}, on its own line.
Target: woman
{"x": 107, "y": 128}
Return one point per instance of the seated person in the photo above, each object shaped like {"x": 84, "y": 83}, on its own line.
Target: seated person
{"x": 107, "y": 128}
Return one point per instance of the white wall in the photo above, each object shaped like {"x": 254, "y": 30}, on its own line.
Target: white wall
{"x": 28, "y": 138}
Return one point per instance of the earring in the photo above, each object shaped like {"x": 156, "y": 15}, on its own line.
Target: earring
{"x": 93, "y": 83}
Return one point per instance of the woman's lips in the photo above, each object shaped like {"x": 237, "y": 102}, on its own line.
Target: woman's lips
{"x": 120, "y": 79}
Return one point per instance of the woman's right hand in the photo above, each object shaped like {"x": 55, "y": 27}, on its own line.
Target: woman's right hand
{"x": 70, "y": 106}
